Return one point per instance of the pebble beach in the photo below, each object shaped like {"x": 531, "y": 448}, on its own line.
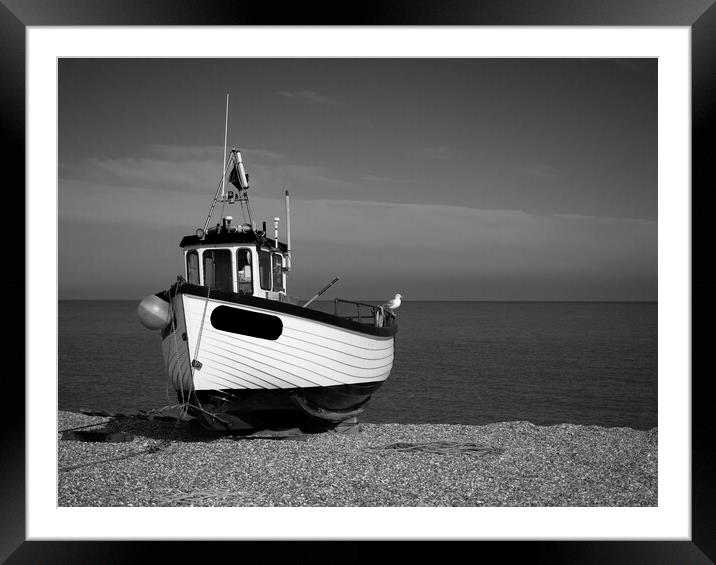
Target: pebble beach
{"x": 176, "y": 463}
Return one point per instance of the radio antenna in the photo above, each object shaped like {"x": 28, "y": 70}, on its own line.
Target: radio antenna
{"x": 223, "y": 163}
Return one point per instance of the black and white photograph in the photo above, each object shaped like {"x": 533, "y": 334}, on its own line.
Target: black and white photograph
{"x": 306, "y": 280}
{"x": 357, "y": 282}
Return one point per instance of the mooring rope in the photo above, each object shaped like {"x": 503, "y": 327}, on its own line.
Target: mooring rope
{"x": 151, "y": 449}
{"x": 142, "y": 415}
{"x": 85, "y": 426}
{"x": 185, "y": 400}
{"x": 172, "y": 315}
{"x": 201, "y": 330}
{"x": 192, "y": 390}
{"x": 159, "y": 446}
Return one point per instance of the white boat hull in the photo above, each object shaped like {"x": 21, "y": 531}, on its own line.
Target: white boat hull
{"x": 311, "y": 358}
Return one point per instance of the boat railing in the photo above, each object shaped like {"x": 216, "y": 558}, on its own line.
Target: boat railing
{"x": 370, "y": 314}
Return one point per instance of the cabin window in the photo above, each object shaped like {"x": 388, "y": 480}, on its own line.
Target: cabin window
{"x": 243, "y": 271}
{"x": 277, "y": 272}
{"x": 192, "y": 267}
{"x": 243, "y": 322}
{"x": 217, "y": 269}
{"x": 265, "y": 269}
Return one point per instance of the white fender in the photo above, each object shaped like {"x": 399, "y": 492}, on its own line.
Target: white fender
{"x": 153, "y": 312}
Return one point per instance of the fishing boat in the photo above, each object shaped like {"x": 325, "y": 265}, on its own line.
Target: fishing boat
{"x": 243, "y": 354}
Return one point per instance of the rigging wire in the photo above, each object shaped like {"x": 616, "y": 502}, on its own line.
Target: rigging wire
{"x": 243, "y": 213}
{"x": 242, "y": 197}
{"x": 216, "y": 196}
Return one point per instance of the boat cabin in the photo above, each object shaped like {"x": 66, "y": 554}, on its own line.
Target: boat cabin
{"x": 237, "y": 259}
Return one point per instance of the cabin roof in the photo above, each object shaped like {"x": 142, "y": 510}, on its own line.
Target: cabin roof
{"x": 231, "y": 238}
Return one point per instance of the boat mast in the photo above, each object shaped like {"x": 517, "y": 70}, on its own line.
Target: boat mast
{"x": 238, "y": 178}
{"x": 226, "y": 133}
{"x": 221, "y": 189}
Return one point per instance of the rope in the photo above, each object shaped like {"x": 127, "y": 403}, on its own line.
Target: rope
{"x": 201, "y": 330}
{"x": 87, "y": 426}
{"x": 198, "y": 341}
{"x": 151, "y": 449}
{"x": 154, "y": 411}
{"x": 186, "y": 401}
{"x": 159, "y": 446}
{"x": 176, "y": 344}
{"x": 243, "y": 213}
{"x": 212, "y": 414}
{"x": 438, "y": 447}
{"x": 166, "y": 390}
{"x": 128, "y": 416}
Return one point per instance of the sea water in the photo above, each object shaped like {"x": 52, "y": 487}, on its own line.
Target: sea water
{"x": 455, "y": 362}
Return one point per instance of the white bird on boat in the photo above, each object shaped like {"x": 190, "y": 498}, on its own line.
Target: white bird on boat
{"x": 393, "y": 303}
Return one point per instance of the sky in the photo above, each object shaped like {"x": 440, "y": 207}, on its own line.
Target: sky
{"x": 440, "y": 179}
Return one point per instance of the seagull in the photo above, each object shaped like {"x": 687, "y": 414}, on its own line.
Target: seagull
{"x": 393, "y": 303}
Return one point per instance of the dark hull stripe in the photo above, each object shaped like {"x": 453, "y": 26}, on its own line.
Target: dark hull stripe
{"x": 285, "y": 308}
{"x": 339, "y": 397}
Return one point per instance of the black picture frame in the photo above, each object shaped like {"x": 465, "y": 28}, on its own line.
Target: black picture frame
{"x": 700, "y": 16}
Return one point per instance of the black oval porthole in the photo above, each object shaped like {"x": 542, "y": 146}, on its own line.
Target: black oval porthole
{"x": 245, "y": 322}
